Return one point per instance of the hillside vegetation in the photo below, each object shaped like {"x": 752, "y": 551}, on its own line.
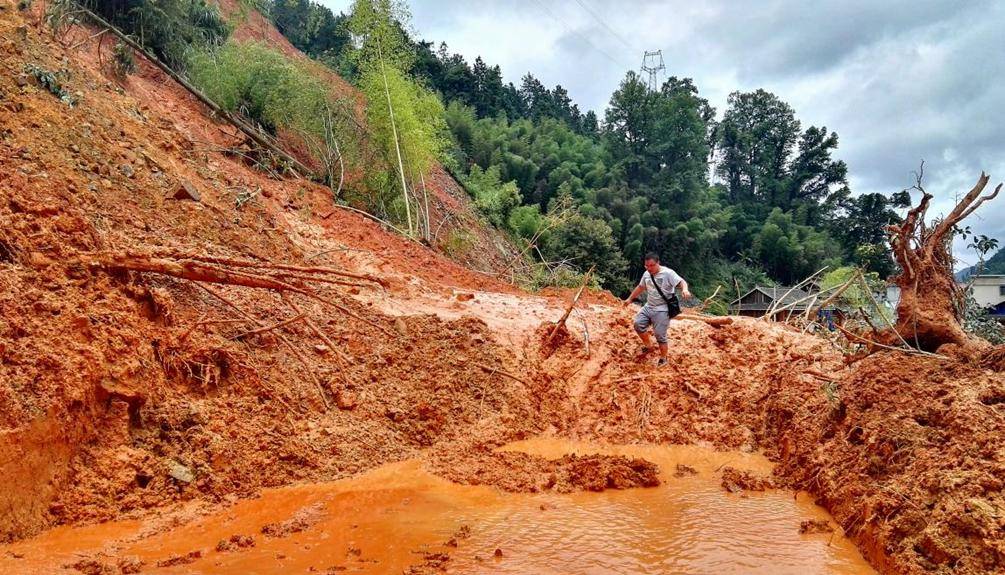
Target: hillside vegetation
{"x": 748, "y": 194}
{"x": 742, "y": 196}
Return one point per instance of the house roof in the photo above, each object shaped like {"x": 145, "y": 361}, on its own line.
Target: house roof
{"x": 781, "y": 296}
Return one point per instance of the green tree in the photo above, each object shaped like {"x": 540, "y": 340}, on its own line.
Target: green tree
{"x": 407, "y": 120}
{"x": 585, "y": 242}
{"x": 493, "y": 197}
{"x": 627, "y": 123}
{"x": 756, "y": 137}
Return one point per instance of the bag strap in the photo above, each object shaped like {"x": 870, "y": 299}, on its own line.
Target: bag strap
{"x": 656, "y": 284}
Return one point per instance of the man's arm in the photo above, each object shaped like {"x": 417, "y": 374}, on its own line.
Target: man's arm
{"x": 636, "y": 293}
{"x": 684, "y": 289}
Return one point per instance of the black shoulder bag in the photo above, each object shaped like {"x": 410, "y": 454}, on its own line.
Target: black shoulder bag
{"x": 673, "y": 306}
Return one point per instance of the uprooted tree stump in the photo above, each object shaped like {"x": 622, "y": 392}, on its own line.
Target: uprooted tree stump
{"x": 928, "y": 314}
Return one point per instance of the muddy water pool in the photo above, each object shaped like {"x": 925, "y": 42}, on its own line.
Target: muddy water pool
{"x": 398, "y": 516}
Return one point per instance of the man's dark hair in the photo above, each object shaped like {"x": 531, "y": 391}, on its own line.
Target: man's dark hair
{"x": 652, "y": 256}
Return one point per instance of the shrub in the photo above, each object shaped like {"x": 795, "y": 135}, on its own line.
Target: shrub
{"x": 50, "y": 81}
{"x": 525, "y": 221}
{"x": 492, "y": 197}
{"x": 279, "y": 94}
{"x": 123, "y": 62}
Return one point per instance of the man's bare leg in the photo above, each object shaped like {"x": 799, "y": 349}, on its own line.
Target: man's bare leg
{"x": 647, "y": 340}
{"x": 663, "y": 350}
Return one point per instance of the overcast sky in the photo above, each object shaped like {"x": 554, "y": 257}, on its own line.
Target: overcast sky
{"x": 899, "y": 81}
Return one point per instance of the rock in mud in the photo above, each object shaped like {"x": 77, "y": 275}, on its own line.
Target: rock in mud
{"x": 345, "y": 400}
{"x": 734, "y": 481}
{"x": 301, "y": 520}
{"x": 815, "y": 526}
{"x": 521, "y": 472}
{"x": 431, "y": 563}
{"x": 235, "y": 542}
{"x": 684, "y": 470}
{"x": 131, "y": 564}
{"x": 185, "y": 559}
{"x": 181, "y": 472}
{"x": 186, "y": 190}
{"x": 93, "y": 566}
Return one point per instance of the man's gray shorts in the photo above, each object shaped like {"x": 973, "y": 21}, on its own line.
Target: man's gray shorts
{"x": 659, "y": 319}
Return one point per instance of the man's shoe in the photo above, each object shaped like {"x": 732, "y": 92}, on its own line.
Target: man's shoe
{"x": 662, "y": 362}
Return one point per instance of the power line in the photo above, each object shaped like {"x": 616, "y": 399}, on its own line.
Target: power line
{"x": 604, "y": 24}
{"x": 548, "y": 11}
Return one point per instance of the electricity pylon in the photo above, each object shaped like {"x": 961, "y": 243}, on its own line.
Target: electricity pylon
{"x": 652, "y": 63}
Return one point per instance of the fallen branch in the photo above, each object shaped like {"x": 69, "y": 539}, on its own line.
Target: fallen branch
{"x": 708, "y": 300}
{"x": 281, "y": 337}
{"x": 572, "y": 304}
{"x": 380, "y": 221}
{"x": 818, "y": 375}
{"x": 772, "y": 310}
{"x": 494, "y": 370}
{"x": 714, "y": 321}
{"x": 203, "y": 272}
{"x": 202, "y": 321}
{"x": 238, "y": 263}
{"x": 317, "y": 331}
{"x": 882, "y": 313}
{"x": 909, "y": 350}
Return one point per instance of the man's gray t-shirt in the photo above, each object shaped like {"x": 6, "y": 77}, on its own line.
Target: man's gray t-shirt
{"x": 668, "y": 283}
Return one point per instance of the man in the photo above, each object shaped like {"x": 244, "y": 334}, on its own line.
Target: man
{"x": 655, "y": 312}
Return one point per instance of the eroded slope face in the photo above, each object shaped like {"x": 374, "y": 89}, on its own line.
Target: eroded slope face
{"x": 126, "y": 391}
{"x": 123, "y": 393}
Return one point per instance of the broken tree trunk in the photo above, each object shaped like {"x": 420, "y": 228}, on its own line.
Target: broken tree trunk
{"x": 712, "y": 320}
{"x": 572, "y": 304}
{"x": 930, "y": 300}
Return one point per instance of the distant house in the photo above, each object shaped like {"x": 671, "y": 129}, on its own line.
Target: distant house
{"x": 759, "y": 300}
{"x": 989, "y": 293}
{"x": 989, "y": 289}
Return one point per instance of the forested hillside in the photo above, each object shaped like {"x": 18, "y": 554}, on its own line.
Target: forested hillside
{"x": 744, "y": 194}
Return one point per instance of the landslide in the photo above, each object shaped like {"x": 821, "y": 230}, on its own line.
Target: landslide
{"x": 112, "y": 398}
{"x": 114, "y": 403}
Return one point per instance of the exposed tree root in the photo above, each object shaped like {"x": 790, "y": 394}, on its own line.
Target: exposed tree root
{"x": 930, "y": 300}
{"x": 191, "y": 268}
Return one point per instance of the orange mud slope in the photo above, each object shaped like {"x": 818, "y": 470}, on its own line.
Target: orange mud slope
{"x": 114, "y": 403}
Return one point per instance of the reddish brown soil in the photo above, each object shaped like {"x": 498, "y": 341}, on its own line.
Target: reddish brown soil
{"x": 76, "y": 348}
{"x": 522, "y": 472}
{"x": 112, "y": 405}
